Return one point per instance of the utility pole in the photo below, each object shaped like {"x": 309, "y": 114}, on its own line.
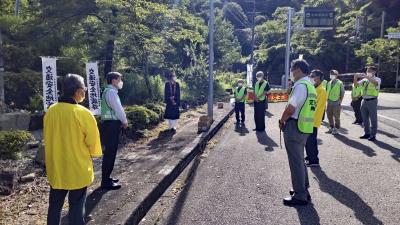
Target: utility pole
{"x": 16, "y": 7}
{"x": 287, "y": 52}
{"x": 382, "y": 33}
{"x": 252, "y": 41}
{"x": 2, "y": 100}
{"x": 398, "y": 65}
{"x": 211, "y": 62}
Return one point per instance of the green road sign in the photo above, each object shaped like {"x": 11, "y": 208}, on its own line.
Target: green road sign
{"x": 319, "y": 17}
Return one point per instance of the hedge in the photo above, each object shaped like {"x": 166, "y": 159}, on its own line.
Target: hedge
{"x": 141, "y": 117}
{"x": 12, "y": 143}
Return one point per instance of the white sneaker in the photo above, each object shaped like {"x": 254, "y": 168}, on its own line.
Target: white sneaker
{"x": 334, "y": 131}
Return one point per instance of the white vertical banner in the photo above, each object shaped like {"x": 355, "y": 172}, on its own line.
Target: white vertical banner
{"x": 93, "y": 85}
{"x": 249, "y": 77}
{"x": 50, "y": 92}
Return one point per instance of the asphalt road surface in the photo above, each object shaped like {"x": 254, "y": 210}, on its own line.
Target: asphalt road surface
{"x": 244, "y": 177}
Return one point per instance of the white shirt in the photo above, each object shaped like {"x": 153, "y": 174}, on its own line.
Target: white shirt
{"x": 298, "y": 97}
{"x": 378, "y": 87}
{"x": 114, "y": 103}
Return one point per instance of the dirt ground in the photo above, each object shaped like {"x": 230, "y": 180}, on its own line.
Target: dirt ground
{"x": 28, "y": 204}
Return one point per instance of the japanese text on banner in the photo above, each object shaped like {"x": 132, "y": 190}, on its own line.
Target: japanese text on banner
{"x": 50, "y": 92}
{"x": 93, "y": 84}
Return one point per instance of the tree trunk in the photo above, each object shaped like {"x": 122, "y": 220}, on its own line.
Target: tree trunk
{"x": 146, "y": 78}
{"x": 2, "y": 99}
{"x": 109, "y": 54}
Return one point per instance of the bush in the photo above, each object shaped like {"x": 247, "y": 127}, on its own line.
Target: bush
{"x": 157, "y": 108}
{"x": 141, "y": 117}
{"x": 12, "y": 143}
{"x": 30, "y": 96}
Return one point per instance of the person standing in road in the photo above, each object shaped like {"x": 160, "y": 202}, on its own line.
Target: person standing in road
{"x": 172, "y": 97}
{"x": 316, "y": 78}
{"x": 335, "y": 90}
{"x": 240, "y": 93}
{"x": 113, "y": 118}
{"x": 356, "y": 99}
{"x": 369, "y": 109}
{"x": 297, "y": 123}
{"x": 260, "y": 92}
{"x": 71, "y": 139}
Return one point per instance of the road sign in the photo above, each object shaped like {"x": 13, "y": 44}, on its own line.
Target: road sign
{"x": 319, "y": 17}
{"x": 394, "y": 35}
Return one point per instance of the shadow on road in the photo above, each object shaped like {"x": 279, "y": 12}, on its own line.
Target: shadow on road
{"x": 387, "y": 134}
{"x": 241, "y": 129}
{"x": 395, "y": 151}
{"x": 268, "y": 114}
{"x": 92, "y": 200}
{"x": 263, "y": 139}
{"x": 362, "y": 211}
{"x": 308, "y": 215}
{"x": 163, "y": 138}
{"x": 356, "y": 145}
{"x": 173, "y": 218}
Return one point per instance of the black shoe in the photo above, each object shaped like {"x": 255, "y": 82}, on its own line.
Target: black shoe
{"x": 355, "y": 122}
{"x": 114, "y": 180}
{"x": 312, "y": 164}
{"x": 111, "y": 186}
{"x": 291, "y": 192}
{"x": 291, "y": 201}
{"x": 372, "y": 138}
{"x": 365, "y": 136}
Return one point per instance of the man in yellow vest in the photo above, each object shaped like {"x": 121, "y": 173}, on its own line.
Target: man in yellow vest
{"x": 335, "y": 90}
{"x": 356, "y": 98}
{"x": 369, "y": 109}
{"x": 316, "y": 78}
{"x": 260, "y": 92}
{"x": 240, "y": 93}
{"x": 297, "y": 124}
{"x": 72, "y": 140}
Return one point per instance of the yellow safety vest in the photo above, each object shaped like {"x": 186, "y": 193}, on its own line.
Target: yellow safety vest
{"x": 334, "y": 92}
{"x": 240, "y": 94}
{"x": 259, "y": 91}
{"x": 370, "y": 89}
{"x": 305, "y": 122}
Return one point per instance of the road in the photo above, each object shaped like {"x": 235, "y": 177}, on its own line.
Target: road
{"x": 243, "y": 178}
{"x": 388, "y": 108}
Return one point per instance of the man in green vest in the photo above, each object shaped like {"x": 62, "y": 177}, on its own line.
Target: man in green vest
{"x": 356, "y": 98}
{"x": 113, "y": 118}
{"x": 260, "y": 94}
{"x": 335, "y": 90}
{"x": 297, "y": 123}
{"x": 369, "y": 108}
{"x": 240, "y": 93}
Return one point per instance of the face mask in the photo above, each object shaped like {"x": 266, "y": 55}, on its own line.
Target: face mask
{"x": 333, "y": 77}
{"x": 120, "y": 85}
{"x": 240, "y": 85}
{"x": 174, "y": 79}
{"x": 259, "y": 78}
{"x": 369, "y": 74}
{"x": 82, "y": 97}
{"x": 312, "y": 81}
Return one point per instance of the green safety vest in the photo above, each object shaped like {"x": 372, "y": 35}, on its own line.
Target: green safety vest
{"x": 370, "y": 89}
{"x": 106, "y": 112}
{"x": 334, "y": 92}
{"x": 259, "y": 91}
{"x": 240, "y": 94}
{"x": 305, "y": 122}
{"x": 356, "y": 92}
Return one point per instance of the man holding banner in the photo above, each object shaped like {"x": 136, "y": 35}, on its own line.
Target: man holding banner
{"x": 113, "y": 119}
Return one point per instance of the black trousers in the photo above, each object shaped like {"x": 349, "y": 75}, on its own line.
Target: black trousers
{"x": 239, "y": 110}
{"x": 259, "y": 115}
{"x": 111, "y": 130}
{"x": 357, "y": 110}
{"x": 312, "y": 147}
{"x": 76, "y": 201}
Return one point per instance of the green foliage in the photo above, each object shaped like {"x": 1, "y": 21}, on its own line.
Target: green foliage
{"x": 23, "y": 90}
{"x": 157, "y": 108}
{"x": 12, "y": 143}
{"x": 141, "y": 118}
{"x": 135, "y": 89}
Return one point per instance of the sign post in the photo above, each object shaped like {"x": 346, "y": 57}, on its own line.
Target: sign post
{"x": 93, "y": 85}
{"x": 396, "y": 35}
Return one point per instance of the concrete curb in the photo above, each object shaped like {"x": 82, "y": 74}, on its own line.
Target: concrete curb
{"x": 186, "y": 156}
